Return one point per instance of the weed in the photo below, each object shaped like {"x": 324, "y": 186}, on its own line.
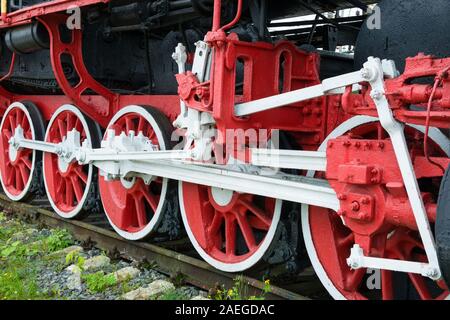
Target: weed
{"x": 240, "y": 291}
{"x": 75, "y": 258}
{"x": 173, "y": 295}
{"x": 178, "y": 279}
{"x": 98, "y": 282}
{"x": 58, "y": 239}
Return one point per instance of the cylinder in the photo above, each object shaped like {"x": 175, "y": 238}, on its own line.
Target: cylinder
{"x": 27, "y": 38}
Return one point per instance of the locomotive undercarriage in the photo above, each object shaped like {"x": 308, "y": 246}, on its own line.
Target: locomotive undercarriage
{"x": 361, "y": 168}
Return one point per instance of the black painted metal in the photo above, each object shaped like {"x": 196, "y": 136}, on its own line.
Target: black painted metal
{"x": 407, "y": 28}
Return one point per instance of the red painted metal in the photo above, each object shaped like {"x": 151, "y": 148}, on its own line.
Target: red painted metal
{"x": 15, "y": 173}
{"x": 27, "y": 14}
{"x": 365, "y": 175}
{"x": 402, "y": 92}
{"x": 131, "y": 209}
{"x": 267, "y": 70}
{"x": 47, "y": 104}
{"x": 66, "y": 188}
{"x": 333, "y": 241}
{"x": 362, "y": 169}
{"x": 230, "y": 233}
{"x": 101, "y": 112}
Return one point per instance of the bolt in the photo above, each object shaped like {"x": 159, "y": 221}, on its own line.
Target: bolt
{"x": 357, "y": 144}
{"x": 374, "y": 171}
{"x": 58, "y": 151}
{"x": 355, "y": 206}
{"x": 342, "y": 196}
{"x": 432, "y": 273}
{"x": 376, "y": 94}
{"x": 374, "y": 180}
{"x": 365, "y": 200}
{"x": 363, "y": 216}
{"x": 306, "y": 111}
{"x": 381, "y": 145}
{"x": 341, "y": 213}
{"x": 366, "y": 74}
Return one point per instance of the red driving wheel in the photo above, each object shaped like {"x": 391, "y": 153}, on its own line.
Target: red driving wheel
{"x": 135, "y": 208}
{"x": 69, "y": 185}
{"x": 230, "y": 230}
{"x": 328, "y": 242}
{"x": 19, "y": 175}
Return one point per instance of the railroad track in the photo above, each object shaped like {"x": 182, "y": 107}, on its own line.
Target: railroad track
{"x": 95, "y": 230}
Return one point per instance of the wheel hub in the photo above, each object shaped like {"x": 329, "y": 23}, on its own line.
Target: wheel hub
{"x": 222, "y": 197}
{"x": 12, "y": 153}
{"x": 63, "y": 165}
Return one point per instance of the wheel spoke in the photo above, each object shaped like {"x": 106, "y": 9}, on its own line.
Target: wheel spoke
{"x": 387, "y": 289}
{"x": 68, "y": 122}
{"x": 140, "y": 211}
{"x": 216, "y": 223}
{"x": 128, "y": 124}
{"x": 420, "y": 285}
{"x": 141, "y": 125}
{"x": 10, "y": 175}
{"x": 77, "y": 188}
{"x": 69, "y": 193}
{"x": 61, "y": 128}
{"x": 19, "y": 181}
{"x": 353, "y": 280}
{"x": 247, "y": 231}
{"x": 24, "y": 172}
{"x": 12, "y": 123}
{"x": 27, "y": 162}
{"x": 230, "y": 235}
{"x": 260, "y": 214}
{"x": 19, "y": 118}
{"x": 151, "y": 199}
{"x": 80, "y": 173}
{"x": 7, "y": 134}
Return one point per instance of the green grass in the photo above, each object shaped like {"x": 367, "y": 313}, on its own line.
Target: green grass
{"x": 240, "y": 291}
{"x": 20, "y": 261}
{"x": 99, "y": 282}
{"x": 173, "y": 295}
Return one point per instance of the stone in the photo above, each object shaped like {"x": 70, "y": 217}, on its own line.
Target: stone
{"x": 32, "y": 231}
{"x": 154, "y": 289}
{"x": 69, "y": 250}
{"x": 96, "y": 262}
{"x": 18, "y": 236}
{"x": 200, "y": 297}
{"x": 125, "y": 274}
{"x": 74, "y": 279}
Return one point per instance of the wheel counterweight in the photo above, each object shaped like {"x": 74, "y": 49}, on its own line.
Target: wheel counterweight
{"x": 19, "y": 168}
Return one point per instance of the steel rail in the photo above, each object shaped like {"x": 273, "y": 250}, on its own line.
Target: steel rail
{"x": 197, "y": 272}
